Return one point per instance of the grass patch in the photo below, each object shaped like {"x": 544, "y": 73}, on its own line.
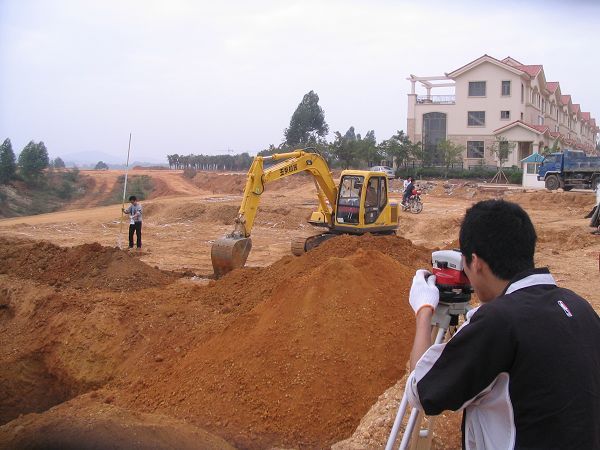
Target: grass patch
{"x": 47, "y": 193}
{"x": 139, "y": 185}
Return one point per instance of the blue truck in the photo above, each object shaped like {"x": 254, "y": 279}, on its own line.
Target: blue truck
{"x": 570, "y": 169}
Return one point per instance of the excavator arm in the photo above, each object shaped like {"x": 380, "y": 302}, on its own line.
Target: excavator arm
{"x": 231, "y": 252}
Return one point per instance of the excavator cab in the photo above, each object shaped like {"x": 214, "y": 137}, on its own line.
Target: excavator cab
{"x": 363, "y": 205}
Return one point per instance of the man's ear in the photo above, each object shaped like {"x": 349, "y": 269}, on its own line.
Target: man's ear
{"x": 479, "y": 265}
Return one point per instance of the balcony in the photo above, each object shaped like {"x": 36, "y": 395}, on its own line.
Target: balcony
{"x": 436, "y": 99}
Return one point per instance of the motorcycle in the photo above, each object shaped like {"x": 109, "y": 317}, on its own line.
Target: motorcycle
{"x": 414, "y": 204}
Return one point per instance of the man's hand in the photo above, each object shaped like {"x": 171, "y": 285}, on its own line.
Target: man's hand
{"x": 423, "y": 293}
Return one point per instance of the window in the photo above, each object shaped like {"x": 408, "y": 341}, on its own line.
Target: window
{"x": 475, "y": 149}
{"x": 434, "y": 131}
{"x": 476, "y": 88}
{"x": 522, "y": 93}
{"x": 532, "y": 168}
{"x": 505, "y": 88}
{"x": 521, "y": 116}
{"x": 505, "y": 115}
{"x": 476, "y": 118}
{"x": 372, "y": 201}
{"x": 540, "y": 120}
{"x": 349, "y": 199}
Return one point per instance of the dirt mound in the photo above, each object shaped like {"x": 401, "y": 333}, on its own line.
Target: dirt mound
{"x": 86, "y": 424}
{"x": 329, "y": 332}
{"x": 207, "y": 212}
{"x": 82, "y": 266}
{"x": 290, "y": 354}
{"x": 566, "y": 239}
{"x": 194, "y": 211}
{"x": 234, "y": 183}
{"x": 545, "y": 199}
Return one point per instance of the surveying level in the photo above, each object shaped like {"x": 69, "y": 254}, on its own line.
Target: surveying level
{"x": 455, "y": 294}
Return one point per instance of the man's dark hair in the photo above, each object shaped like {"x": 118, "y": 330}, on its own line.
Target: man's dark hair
{"x": 500, "y": 233}
{"x": 132, "y": 198}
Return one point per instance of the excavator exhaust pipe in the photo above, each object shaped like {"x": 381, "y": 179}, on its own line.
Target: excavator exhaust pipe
{"x": 229, "y": 253}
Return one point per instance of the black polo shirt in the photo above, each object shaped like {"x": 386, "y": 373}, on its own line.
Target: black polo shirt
{"x": 525, "y": 368}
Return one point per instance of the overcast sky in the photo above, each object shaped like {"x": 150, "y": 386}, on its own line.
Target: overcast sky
{"x": 207, "y": 77}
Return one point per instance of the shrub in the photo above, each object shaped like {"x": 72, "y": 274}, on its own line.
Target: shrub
{"x": 189, "y": 172}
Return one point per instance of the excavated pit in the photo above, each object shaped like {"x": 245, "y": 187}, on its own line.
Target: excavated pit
{"x": 290, "y": 354}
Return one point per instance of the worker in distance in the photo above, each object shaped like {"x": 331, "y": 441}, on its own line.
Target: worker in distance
{"x": 525, "y": 366}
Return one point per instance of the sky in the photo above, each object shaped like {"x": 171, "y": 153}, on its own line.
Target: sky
{"x": 212, "y": 77}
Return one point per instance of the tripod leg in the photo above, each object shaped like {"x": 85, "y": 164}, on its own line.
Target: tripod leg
{"x": 397, "y": 422}
{"x": 412, "y": 427}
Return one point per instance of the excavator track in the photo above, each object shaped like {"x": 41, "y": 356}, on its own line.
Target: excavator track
{"x": 302, "y": 245}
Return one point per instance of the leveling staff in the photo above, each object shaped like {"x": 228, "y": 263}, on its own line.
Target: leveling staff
{"x": 525, "y": 366}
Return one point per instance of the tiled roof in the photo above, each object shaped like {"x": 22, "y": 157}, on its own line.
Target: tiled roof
{"x": 565, "y": 99}
{"x": 576, "y": 107}
{"x": 551, "y": 86}
{"x": 539, "y": 128}
{"x": 510, "y": 58}
{"x": 481, "y": 59}
{"x": 555, "y": 134}
{"x": 585, "y": 116}
{"x": 532, "y": 70}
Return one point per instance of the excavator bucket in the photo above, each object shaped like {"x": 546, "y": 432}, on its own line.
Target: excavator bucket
{"x": 229, "y": 253}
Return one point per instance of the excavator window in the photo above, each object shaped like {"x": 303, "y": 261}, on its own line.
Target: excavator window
{"x": 349, "y": 199}
{"x": 376, "y": 198}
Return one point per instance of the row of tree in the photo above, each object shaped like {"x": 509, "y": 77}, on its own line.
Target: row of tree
{"x": 308, "y": 129}
{"x": 30, "y": 164}
{"x": 240, "y": 161}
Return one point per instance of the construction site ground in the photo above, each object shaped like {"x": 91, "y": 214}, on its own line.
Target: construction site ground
{"x": 102, "y": 347}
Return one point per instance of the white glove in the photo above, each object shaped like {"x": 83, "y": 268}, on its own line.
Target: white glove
{"x": 423, "y": 292}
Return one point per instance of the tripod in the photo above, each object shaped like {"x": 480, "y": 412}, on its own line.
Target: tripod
{"x": 444, "y": 320}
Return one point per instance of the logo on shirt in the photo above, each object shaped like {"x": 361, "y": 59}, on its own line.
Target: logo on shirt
{"x": 565, "y": 308}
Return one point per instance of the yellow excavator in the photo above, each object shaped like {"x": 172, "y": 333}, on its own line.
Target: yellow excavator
{"x": 360, "y": 204}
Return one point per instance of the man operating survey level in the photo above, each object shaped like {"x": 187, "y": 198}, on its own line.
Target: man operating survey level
{"x": 525, "y": 365}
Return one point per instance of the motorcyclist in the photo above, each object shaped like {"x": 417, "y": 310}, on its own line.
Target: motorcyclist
{"x": 408, "y": 190}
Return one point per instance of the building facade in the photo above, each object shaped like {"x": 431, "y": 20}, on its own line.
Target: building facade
{"x": 490, "y": 99}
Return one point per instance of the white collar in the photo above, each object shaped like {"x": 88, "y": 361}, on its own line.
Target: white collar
{"x": 531, "y": 280}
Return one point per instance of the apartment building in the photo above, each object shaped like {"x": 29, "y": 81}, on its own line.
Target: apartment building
{"x": 489, "y": 98}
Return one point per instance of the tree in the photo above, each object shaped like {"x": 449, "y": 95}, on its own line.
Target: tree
{"x": 58, "y": 163}
{"x": 345, "y": 147}
{"x": 33, "y": 160}
{"x": 398, "y": 149}
{"x": 8, "y": 167}
{"x": 307, "y": 123}
{"x": 101, "y": 166}
{"x": 501, "y": 150}
{"x": 449, "y": 153}
{"x": 368, "y": 149}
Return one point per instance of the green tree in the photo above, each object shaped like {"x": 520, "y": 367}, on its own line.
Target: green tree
{"x": 101, "y": 166}
{"x": 368, "y": 149}
{"x": 33, "y": 160}
{"x": 307, "y": 123}
{"x": 8, "y": 167}
{"x": 398, "y": 149}
{"x": 449, "y": 153}
{"x": 345, "y": 148}
{"x": 501, "y": 149}
{"x": 58, "y": 163}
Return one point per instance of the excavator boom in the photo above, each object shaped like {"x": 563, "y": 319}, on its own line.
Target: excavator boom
{"x": 231, "y": 251}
